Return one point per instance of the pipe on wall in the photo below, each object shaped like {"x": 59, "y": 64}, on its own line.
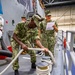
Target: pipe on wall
{"x": 60, "y": 3}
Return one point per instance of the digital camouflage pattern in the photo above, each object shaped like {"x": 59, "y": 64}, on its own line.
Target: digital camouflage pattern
{"x": 36, "y": 19}
{"x": 47, "y": 12}
{"x": 26, "y": 35}
{"x": 48, "y": 38}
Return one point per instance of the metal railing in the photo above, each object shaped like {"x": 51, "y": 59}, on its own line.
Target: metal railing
{"x": 69, "y": 53}
{"x": 65, "y": 57}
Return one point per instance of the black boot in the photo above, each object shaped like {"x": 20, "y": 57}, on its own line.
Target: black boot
{"x": 16, "y": 72}
{"x": 33, "y": 66}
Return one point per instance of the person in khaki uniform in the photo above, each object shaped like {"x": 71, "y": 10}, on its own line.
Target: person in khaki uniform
{"x": 25, "y": 35}
{"x": 48, "y": 38}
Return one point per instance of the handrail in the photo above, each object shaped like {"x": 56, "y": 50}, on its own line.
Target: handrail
{"x": 69, "y": 53}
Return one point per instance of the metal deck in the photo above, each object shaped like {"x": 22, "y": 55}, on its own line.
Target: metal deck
{"x": 25, "y": 66}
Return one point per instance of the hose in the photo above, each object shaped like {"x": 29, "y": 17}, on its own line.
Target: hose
{"x": 5, "y": 53}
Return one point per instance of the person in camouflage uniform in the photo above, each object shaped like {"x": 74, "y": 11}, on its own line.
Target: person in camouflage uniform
{"x": 37, "y": 19}
{"x": 25, "y": 35}
{"x": 48, "y": 38}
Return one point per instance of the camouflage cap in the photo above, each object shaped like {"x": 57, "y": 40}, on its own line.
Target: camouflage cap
{"x": 47, "y": 12}
{"x": 23, "y": 16}
{"x": 38, "y": 17}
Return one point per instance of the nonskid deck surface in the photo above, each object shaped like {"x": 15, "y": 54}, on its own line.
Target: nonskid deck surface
{"x": 25, "y": 66}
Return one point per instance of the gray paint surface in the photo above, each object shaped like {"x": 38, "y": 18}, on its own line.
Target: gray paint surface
{"x": 12, "y": 10}
{"x": 25, "y": 66}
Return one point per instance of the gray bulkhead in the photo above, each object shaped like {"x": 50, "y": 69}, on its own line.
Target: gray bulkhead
{"x": 12, "y": 12}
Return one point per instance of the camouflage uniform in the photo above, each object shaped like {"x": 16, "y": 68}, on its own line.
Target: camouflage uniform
{"x": 38, "y": 20}
{"x": 27, "y": 36}
{"x": 48, "y": 39}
